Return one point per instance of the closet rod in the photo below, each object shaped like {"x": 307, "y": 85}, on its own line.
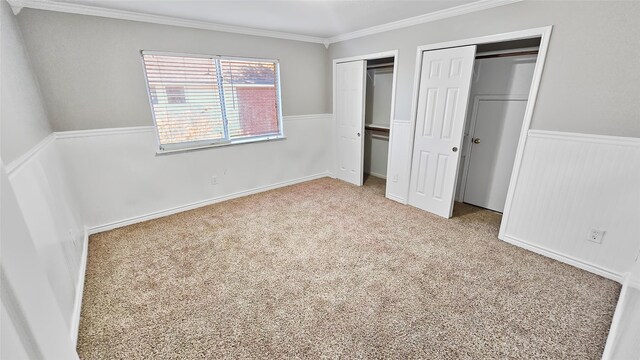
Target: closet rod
{"x": 381, "y": 137}
{"x": 379, "y": 65}
{"x": 377, "y": 135}
{"x": 376, "y": 128}
{"x": 533, "y": 52}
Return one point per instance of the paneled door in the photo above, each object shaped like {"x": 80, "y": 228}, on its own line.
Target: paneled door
{"x": 497, "y": 122}
{"x": 445, "y": 81}
{"x": 349, "y": 112}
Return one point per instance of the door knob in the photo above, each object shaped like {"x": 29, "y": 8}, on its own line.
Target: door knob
{"x": 358, "y": 134}
{"x": 476, "y": 141}
{"x": 454, "y": 149}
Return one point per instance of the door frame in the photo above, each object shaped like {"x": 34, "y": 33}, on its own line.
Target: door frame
{"x": 544, "y": 33}
{"x": 373, "y": 56}
{"x": 473, "y": 117}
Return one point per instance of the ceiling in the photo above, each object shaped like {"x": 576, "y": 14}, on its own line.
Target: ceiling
{"x": 322, "y": 19}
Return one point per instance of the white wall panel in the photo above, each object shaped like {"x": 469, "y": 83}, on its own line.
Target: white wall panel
{"x": 55, "y": 224}
{"x": 569, "y": 183}
{"x": 112, "y": 177}
{"x": 27, "y": 293}
{"x": 12, "y": 346}
{"x": 120, "y": 178}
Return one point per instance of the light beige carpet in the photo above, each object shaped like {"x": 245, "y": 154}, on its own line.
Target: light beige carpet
{"x": 327, "y": 269}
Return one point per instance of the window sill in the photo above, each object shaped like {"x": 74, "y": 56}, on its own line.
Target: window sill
{"x": 221, "y": 144}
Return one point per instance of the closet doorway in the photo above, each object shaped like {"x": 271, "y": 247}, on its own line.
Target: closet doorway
{"x": 498, "y": 98}
{"x": 473, "y": 103}
{"x": 377, "y": 116}
{"x": 364, "y": 91}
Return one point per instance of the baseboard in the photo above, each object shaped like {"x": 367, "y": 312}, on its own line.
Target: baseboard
{"x": 377, "y": 175}
{"x": 609, "y": 274}
{"x": 77, "y": 306}
{"x": 75, "y": 320}
{"x": 633, "y": 282}
{"x": 197, "y": 204}
{"x": 397, "y": 199}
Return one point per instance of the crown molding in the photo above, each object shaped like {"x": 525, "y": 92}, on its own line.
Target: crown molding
{"x": 421, "y": 19}
{"x": 15, "y": 8}
{"x": 71, "y": 8}
{"x": 17, "y": 5}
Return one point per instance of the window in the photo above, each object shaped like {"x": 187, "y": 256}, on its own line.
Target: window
{"x": 175, "y": 95}
{"x": 153, "y": 94}
{"x": 200, "y": 101}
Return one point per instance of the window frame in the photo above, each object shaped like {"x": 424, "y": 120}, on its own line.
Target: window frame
{"x": 204, "y": 144}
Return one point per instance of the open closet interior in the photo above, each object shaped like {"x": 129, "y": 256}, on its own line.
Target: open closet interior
{"x": 363, "y": 103}
{"x": 470, "y": 109}
{"x": 500, "y": 86}
{"x": 379, "y": 88}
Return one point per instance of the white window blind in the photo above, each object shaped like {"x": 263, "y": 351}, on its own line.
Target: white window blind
{"x": 199, "y": 101}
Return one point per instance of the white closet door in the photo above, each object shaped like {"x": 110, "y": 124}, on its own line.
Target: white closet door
{"x": 349, "y": 108}
{"x": 445, "y": 81}
{"x": 496, "y": 134}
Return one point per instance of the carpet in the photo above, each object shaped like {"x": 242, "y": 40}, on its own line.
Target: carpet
{"x": 327, "y": 269}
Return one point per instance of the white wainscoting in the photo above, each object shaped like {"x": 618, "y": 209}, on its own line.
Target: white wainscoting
{"x": 399, "y": 161}
{"x": 102, "y": 179}
{"x": 29, "y": 301}
{"x": 76, "y": 183}
{"x": 121, "y": 180}
{"x": 569, "y": 183}
{"x": 55, "y": 223}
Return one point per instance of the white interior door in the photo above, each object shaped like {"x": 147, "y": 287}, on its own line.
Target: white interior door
{"x": 445, "y": 80}
{"x": 349, "y": 111}
{"x": 493, "y": 150}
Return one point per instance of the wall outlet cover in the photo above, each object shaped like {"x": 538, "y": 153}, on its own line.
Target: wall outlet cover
{"x": 596, "y": 235}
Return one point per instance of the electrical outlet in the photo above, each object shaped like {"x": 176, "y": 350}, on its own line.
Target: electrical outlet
{"x": 395, "y": 178}
{"x": 214, "y": 180}
{"x": 596, "y": 235}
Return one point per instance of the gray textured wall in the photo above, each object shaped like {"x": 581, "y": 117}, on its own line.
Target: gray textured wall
{"x": 90, "y": 70}
{"x": 591, "y": 80}
{"x": 23, "y": 116}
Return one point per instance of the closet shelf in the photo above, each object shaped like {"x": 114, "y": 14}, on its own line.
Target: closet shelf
{"x": 381, "y": 129}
